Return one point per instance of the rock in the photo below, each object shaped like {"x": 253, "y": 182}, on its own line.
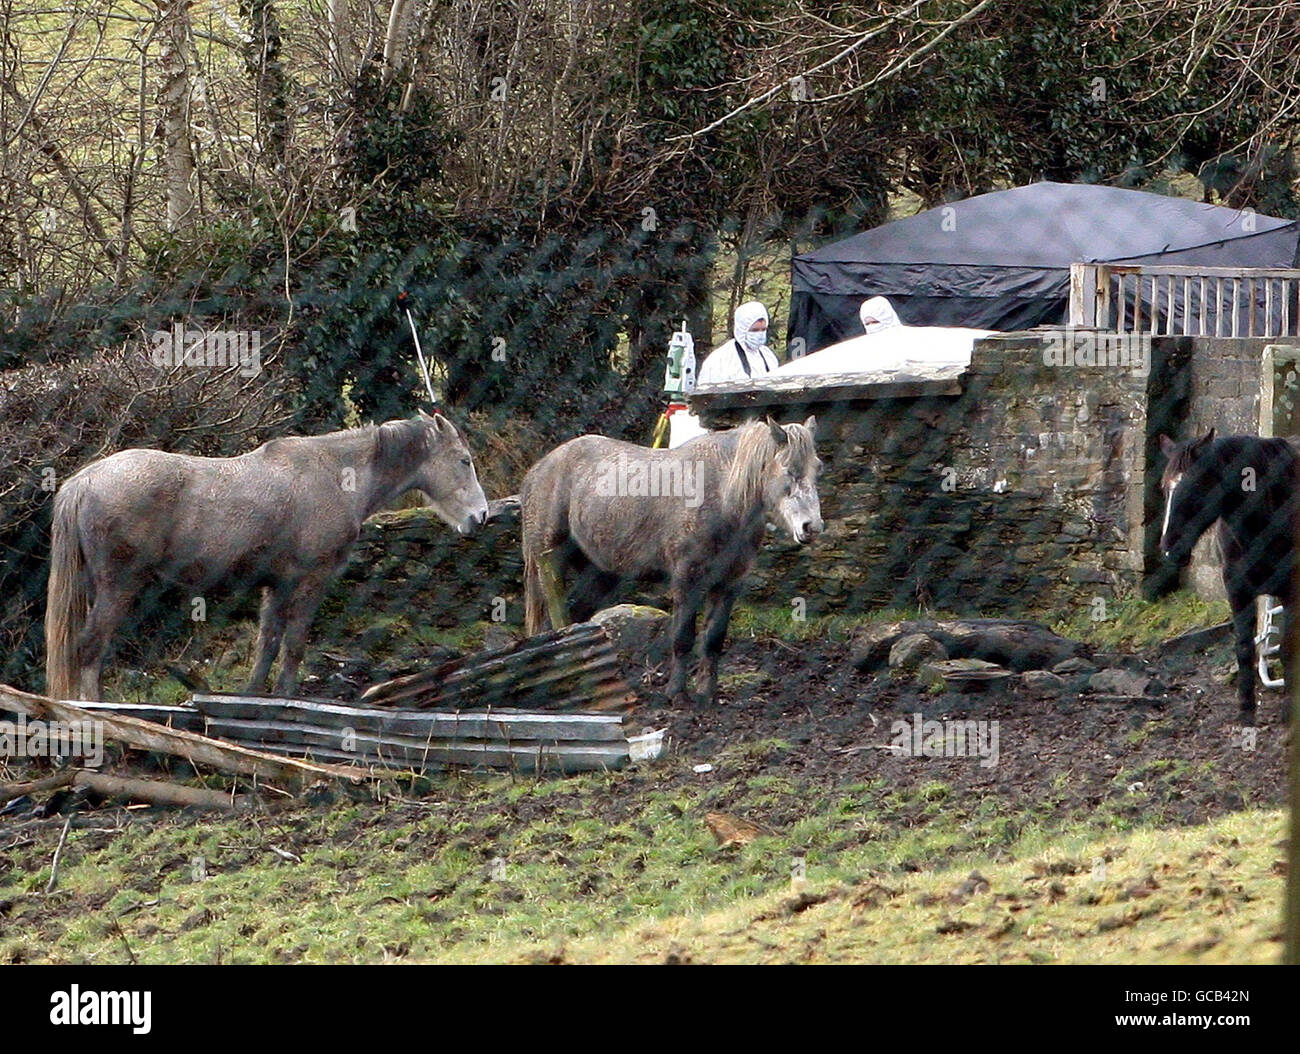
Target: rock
{"x": 961, "y": 674}
{"x": 1197, "y": 640}
{"x": 869, "y": 647}
{"x": 638, "y": 632}
{"x": 910, "y": 652}
{"x": 1115, "y": 681}
{"x": 1075, "y": 665}
{"x": 1014, "y": 643}
{"x": 1042, "y": 682}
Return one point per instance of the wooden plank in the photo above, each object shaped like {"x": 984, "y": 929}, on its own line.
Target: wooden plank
{"x": 1079, "y": 314}
{"x": 476, "y": 724}
{"x": 197, "y": 749}
{"x": 540, "y": 690}
{"x": 541, "y": 649}
{"x": 811, "y": 389}
{"x": 185, "y": 717}
{"x": 503, "y": 689}
{"x": 526, "y": 675}
{"x": 528, "y": 756}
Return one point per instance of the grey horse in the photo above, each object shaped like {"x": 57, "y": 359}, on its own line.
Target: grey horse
{"x": 693, "y": 517}
{"x": 282, "y": 517}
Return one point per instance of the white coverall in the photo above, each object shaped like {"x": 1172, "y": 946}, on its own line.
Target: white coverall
{"x": 745, "y": 355}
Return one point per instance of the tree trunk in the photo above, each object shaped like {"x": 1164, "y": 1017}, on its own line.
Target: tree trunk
{"x": 395, "y": 40}
{"x": 174, "y": 98}
{"x": 262, "y": 58}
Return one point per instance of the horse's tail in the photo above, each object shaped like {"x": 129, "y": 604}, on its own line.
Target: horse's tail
{"x": 67, "y": 600}
{"x": 534, "y": 608}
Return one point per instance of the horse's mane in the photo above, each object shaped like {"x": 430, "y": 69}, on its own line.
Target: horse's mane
{"x": 1186, "y": 454}
{"x": 399, "y": 441}
{"x": 1180, "y": 461}
{"x": 756, "y": 447}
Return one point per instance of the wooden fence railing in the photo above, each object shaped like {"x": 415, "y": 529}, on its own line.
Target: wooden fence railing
{"x": 1185, "y": 301}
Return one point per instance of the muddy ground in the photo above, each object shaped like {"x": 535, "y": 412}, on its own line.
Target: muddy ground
{"x": 1182, "y": 741}
{"x": 1177, "y": 755}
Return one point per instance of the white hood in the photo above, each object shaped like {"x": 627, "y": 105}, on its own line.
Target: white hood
{"x": 877, "y": 314}
{"x": 746, "y": 315}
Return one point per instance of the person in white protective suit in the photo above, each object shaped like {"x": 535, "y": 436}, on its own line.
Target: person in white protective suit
{"x": 877, "y": 314}
{"x": 746, "y": 354}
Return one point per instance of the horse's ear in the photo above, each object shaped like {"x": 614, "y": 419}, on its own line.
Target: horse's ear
{"x": 811, "y": 425}
{"x": 1167, "y": 445}
{"x": 779, "y": 436}
{"x": 1202, "y": 443}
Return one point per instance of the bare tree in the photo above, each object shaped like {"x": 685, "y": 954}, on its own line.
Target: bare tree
{"x": 174, "y": 99}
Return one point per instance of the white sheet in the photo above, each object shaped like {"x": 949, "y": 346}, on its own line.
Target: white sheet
{"x": 896, "y": 348}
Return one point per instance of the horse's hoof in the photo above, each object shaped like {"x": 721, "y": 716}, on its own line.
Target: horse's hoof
{"x": 681, "y": 701}
{"x": 1247, "y": 718}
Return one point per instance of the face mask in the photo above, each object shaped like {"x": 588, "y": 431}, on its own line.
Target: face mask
{"x": 755, "y": 339}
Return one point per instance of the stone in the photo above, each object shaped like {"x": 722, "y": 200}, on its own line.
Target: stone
{"x": 961, "y": 674}
{"x": 1043, "y": 682}
{"x": 910, "y": 652}
{"x": 1115, "y": 681}
{"x": 1068, "y": 667}
{"x": 638, "y": 632}
{"x": 870, "y": 644}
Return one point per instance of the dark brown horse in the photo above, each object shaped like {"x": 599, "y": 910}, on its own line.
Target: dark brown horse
{"x": 693, "y": 517}
{"x": 282, "y": 517}
{"x": 1251, "y": 488}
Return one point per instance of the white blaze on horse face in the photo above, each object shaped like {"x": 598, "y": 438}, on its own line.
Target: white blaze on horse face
{"x": 801, "y": 510}
{"x": 1169, "y": 503}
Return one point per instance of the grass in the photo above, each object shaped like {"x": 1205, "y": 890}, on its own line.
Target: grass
{"x": 1202, "y": 895}
{"x": 621, "y": 867}
{"x": 1135, "y": 623}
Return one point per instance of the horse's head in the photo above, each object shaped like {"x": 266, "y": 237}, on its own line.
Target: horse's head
{"x": 778, "y": 466}
{"x": 1189, "y": 492}
{"x": 446, "y": 475}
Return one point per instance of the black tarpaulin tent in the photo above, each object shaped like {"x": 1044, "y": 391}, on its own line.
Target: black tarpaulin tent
{"x": 1002, "y": 260}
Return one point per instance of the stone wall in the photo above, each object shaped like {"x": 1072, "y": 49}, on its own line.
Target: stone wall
{"x": 1024, "y": 493}
{"x": 1220, "y": 388}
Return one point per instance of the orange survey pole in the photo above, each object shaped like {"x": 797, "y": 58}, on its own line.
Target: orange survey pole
{"x": 660, "y": 438}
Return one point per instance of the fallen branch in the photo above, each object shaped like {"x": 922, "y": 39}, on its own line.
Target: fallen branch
{"x": 157, "y": 792}
{"x": 10, "y": 791}
{"x": 194, "y": 748}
